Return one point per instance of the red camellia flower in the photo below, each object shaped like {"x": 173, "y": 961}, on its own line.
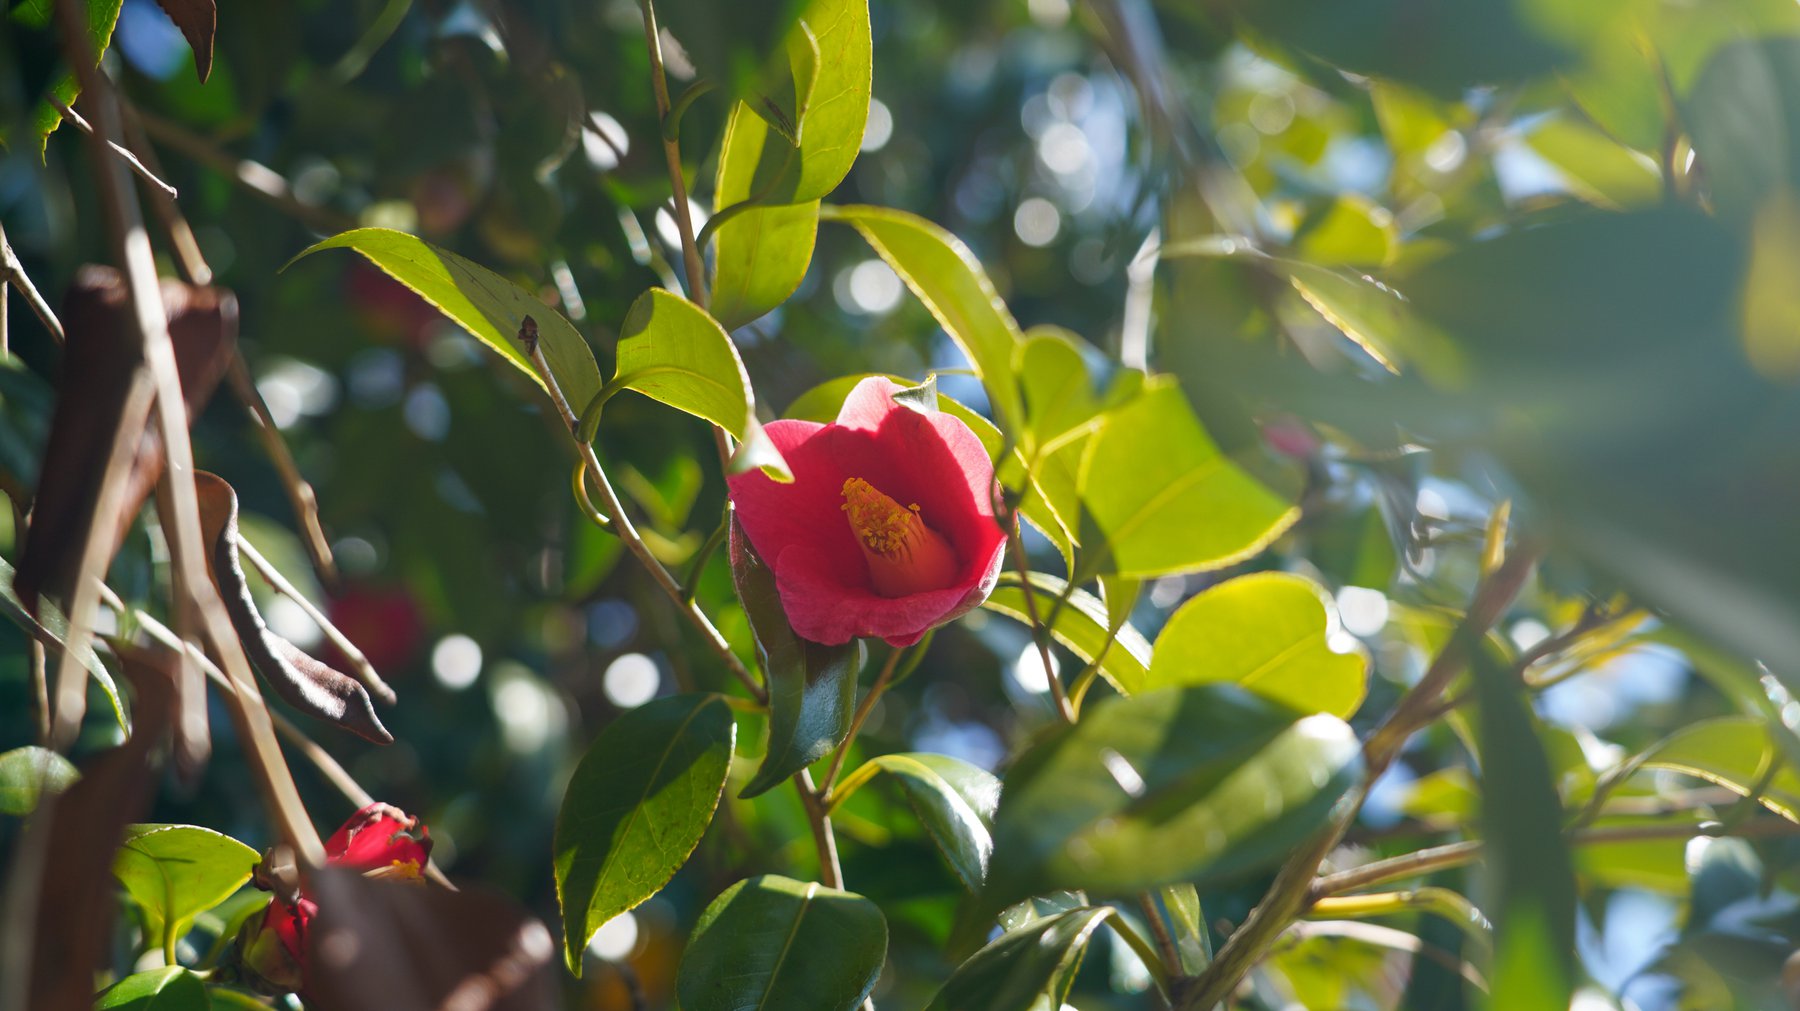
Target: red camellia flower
{"x": 382, "y": 841}
{"x": 888, "y": 527}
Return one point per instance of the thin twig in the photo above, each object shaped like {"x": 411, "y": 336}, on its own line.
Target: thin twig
{"x": 684, "y": 222}
{"x": 13, "y": 272}
{"x": 132, "y": 247}
{"x": 622, "y": 525}
{"x": 856, "y": 724}
{"x": 1289, "y": 893}
{"x": 301, "y": 498}
{"x": 1165, "y": 942}
{"x": 124, "y": 153}
{"x": 359, "y": 664}
{"x": 187, "y": 249}
{"x": 1040, "y": 634}
{"x": 252, "y": 176}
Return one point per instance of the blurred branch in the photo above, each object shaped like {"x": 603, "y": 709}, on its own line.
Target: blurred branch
{"x": 301, "y": 497}
{"x": 253, "y": 176}
{"x": 131, "y": 245}
{"x": 13, "y": 273}
{"x": 684, "y": 222}
{"x": 138, "y": 167}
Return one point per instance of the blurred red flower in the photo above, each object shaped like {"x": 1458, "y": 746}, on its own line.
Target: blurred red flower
{"x": 888, "y": 528}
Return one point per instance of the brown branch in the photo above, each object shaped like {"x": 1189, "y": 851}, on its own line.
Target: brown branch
{"x": 684, "y": 222}
{"x": 252, "y": 176}
{"x": 124, "y": 153}
{"x": 300, "y": 494}
{"x": 856, "y": 725}
{"x": 12, "y": 272}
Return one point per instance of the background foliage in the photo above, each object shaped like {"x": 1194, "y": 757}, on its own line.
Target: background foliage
{"x": 1407, "y": 261}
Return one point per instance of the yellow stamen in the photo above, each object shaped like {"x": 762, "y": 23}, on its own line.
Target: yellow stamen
{"x": 904, "y": 555}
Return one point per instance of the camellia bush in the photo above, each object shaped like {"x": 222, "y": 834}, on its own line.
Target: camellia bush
{"x": 832, "y": 504}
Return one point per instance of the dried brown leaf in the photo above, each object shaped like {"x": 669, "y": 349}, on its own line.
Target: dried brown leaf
{"x": 199, "y": 22}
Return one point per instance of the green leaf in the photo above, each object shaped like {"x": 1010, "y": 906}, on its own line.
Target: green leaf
{"x": 749, "y": 48}
{"x": 1081, "y": 625}
{"x": 28, "y": 773}
{"x": 954, "y": 801}
{"x": 773, "y": 942}
{"x": 1191, "y": 784}
{"x": 637, "y": 805}
{"x": 761, "y": 254}
{"x": 1193, "y": 941}
{"x": 947, "y": 278}
{"x": 1534, "y": 882}
{"x": 49, "y": 621}
{"x": 176, "y": 872}
{"x": 102, "y": 18}
{"x": 1744, "y": 115}
{"x": 480, "y": 301}
{"x": 1598, "y": 168}
{"x": 1266, "y": 632}
{"x": 170, "y": 988}
{"x": 812, "y": 687}
{"x": 1022, "y": 966}
{"x": 1350, "y": 230}
{"x": 832, "y": 124}
{"x": 1164, "y": 498}
{"x": 1733, "y": 752}
{"x": 1060, "y": 413}
{"x": 672, "y": 351}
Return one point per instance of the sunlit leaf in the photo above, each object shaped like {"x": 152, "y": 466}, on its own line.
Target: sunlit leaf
{"x": 1350, "y": 230}
{"x": 1024, "y": 965}
{"x": 637, "y": 805}
{"x": 1600, "y": 169}
{"x": 102, "y": 18}
{"x": 672, "y": 351}
{"x": 1164, "y": 498}
{"x": 480, "y": 301}
{"x": 773, "y": 942}
{"x": 1734, "y": 752}
{"x": 947, "y": 278}
{"x": 51, "y": 622}
{"x": 1267, "y": 632}
{"x": 1081, "y": 625}
{"x": 27, "y": 773}
{"x": 170, "y": 988}
{"x": 175, "y": 872}
{"x": 1192, "y": 784}
{"x": 955, "y": 803}
{"x": 760, "y": 255}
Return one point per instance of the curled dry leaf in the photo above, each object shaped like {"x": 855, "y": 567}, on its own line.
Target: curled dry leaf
{"x": 302, "y": 680}
{"x": 198, "y": 21}
{"x": 377, "y": 945}
{"x": 100, "y": 360}
{"x": 79, "y": 832}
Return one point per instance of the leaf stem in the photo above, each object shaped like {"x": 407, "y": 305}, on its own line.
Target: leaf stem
{"x": 622, "y": 525}
{"x": 1039, "y": 632}
{"x": 856, "y": 723}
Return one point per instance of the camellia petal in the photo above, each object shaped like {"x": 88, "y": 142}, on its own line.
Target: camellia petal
{"x": 888, "y": 528}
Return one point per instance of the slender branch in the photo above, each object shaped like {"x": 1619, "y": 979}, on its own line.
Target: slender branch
{"x": 1040, "y": 634}
{"x": 125, "y": 154}
{"x": 684, "y": 222}
{"x": 301, "y": 497}
{"x": 1165, "y": 942}
{"x": 359, "y": 664}
{"x": 132, "y": 247}
{"x": 181, "y": 236}
{"x": 831, "y": 874}
{"x": 856, "y": 724}
{"x": 622, "y": 525}
{"x": 1292, "y": 887}
{"x": 252, "y": 176}
{"x": 12, "y": 272}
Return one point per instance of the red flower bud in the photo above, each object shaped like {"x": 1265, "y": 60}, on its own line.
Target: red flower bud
{"x": 383, "y": 840}
{"x": 888, "y": 527}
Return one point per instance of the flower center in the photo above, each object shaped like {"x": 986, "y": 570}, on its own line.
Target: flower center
{"x": 904, "y": 555}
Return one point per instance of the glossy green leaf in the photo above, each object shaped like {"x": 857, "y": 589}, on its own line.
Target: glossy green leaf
{"x": 1023, "y": 966}
{"x": 27, "y": 773}
{"x": 946, "y": 277}
{"x": 1061, "y": 411}
{"x": 670, "y": 350}
{"x": 1731, "y": 751}
{"x": 1165, "y": 499}
{"x": 812, "y": 687}
{"x": 1081, "y": 625}
{"x": 1533, "y": 888}
{"x": 1187, "y": 925}
{"x": 1597, "y": 167}
{"x": 773, "y": 942}
{"x": 832, "y": 124}
{"x": 1191, "y": 784}
{"x": 954, "y": 801}
{"x": 49, "y": 621}
{"x": 761, "y": 254}
{"x": 1266, "y": 632}
{"x": 102, "y": 18}
{"x": 1350, "y": 230}
{"x": 480, "y": 301}
{"x": 175, "y": 872}
{"x": 170, "y": 988}
{"x": 637, "y": 805}
{"x": 748, "y": 49}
